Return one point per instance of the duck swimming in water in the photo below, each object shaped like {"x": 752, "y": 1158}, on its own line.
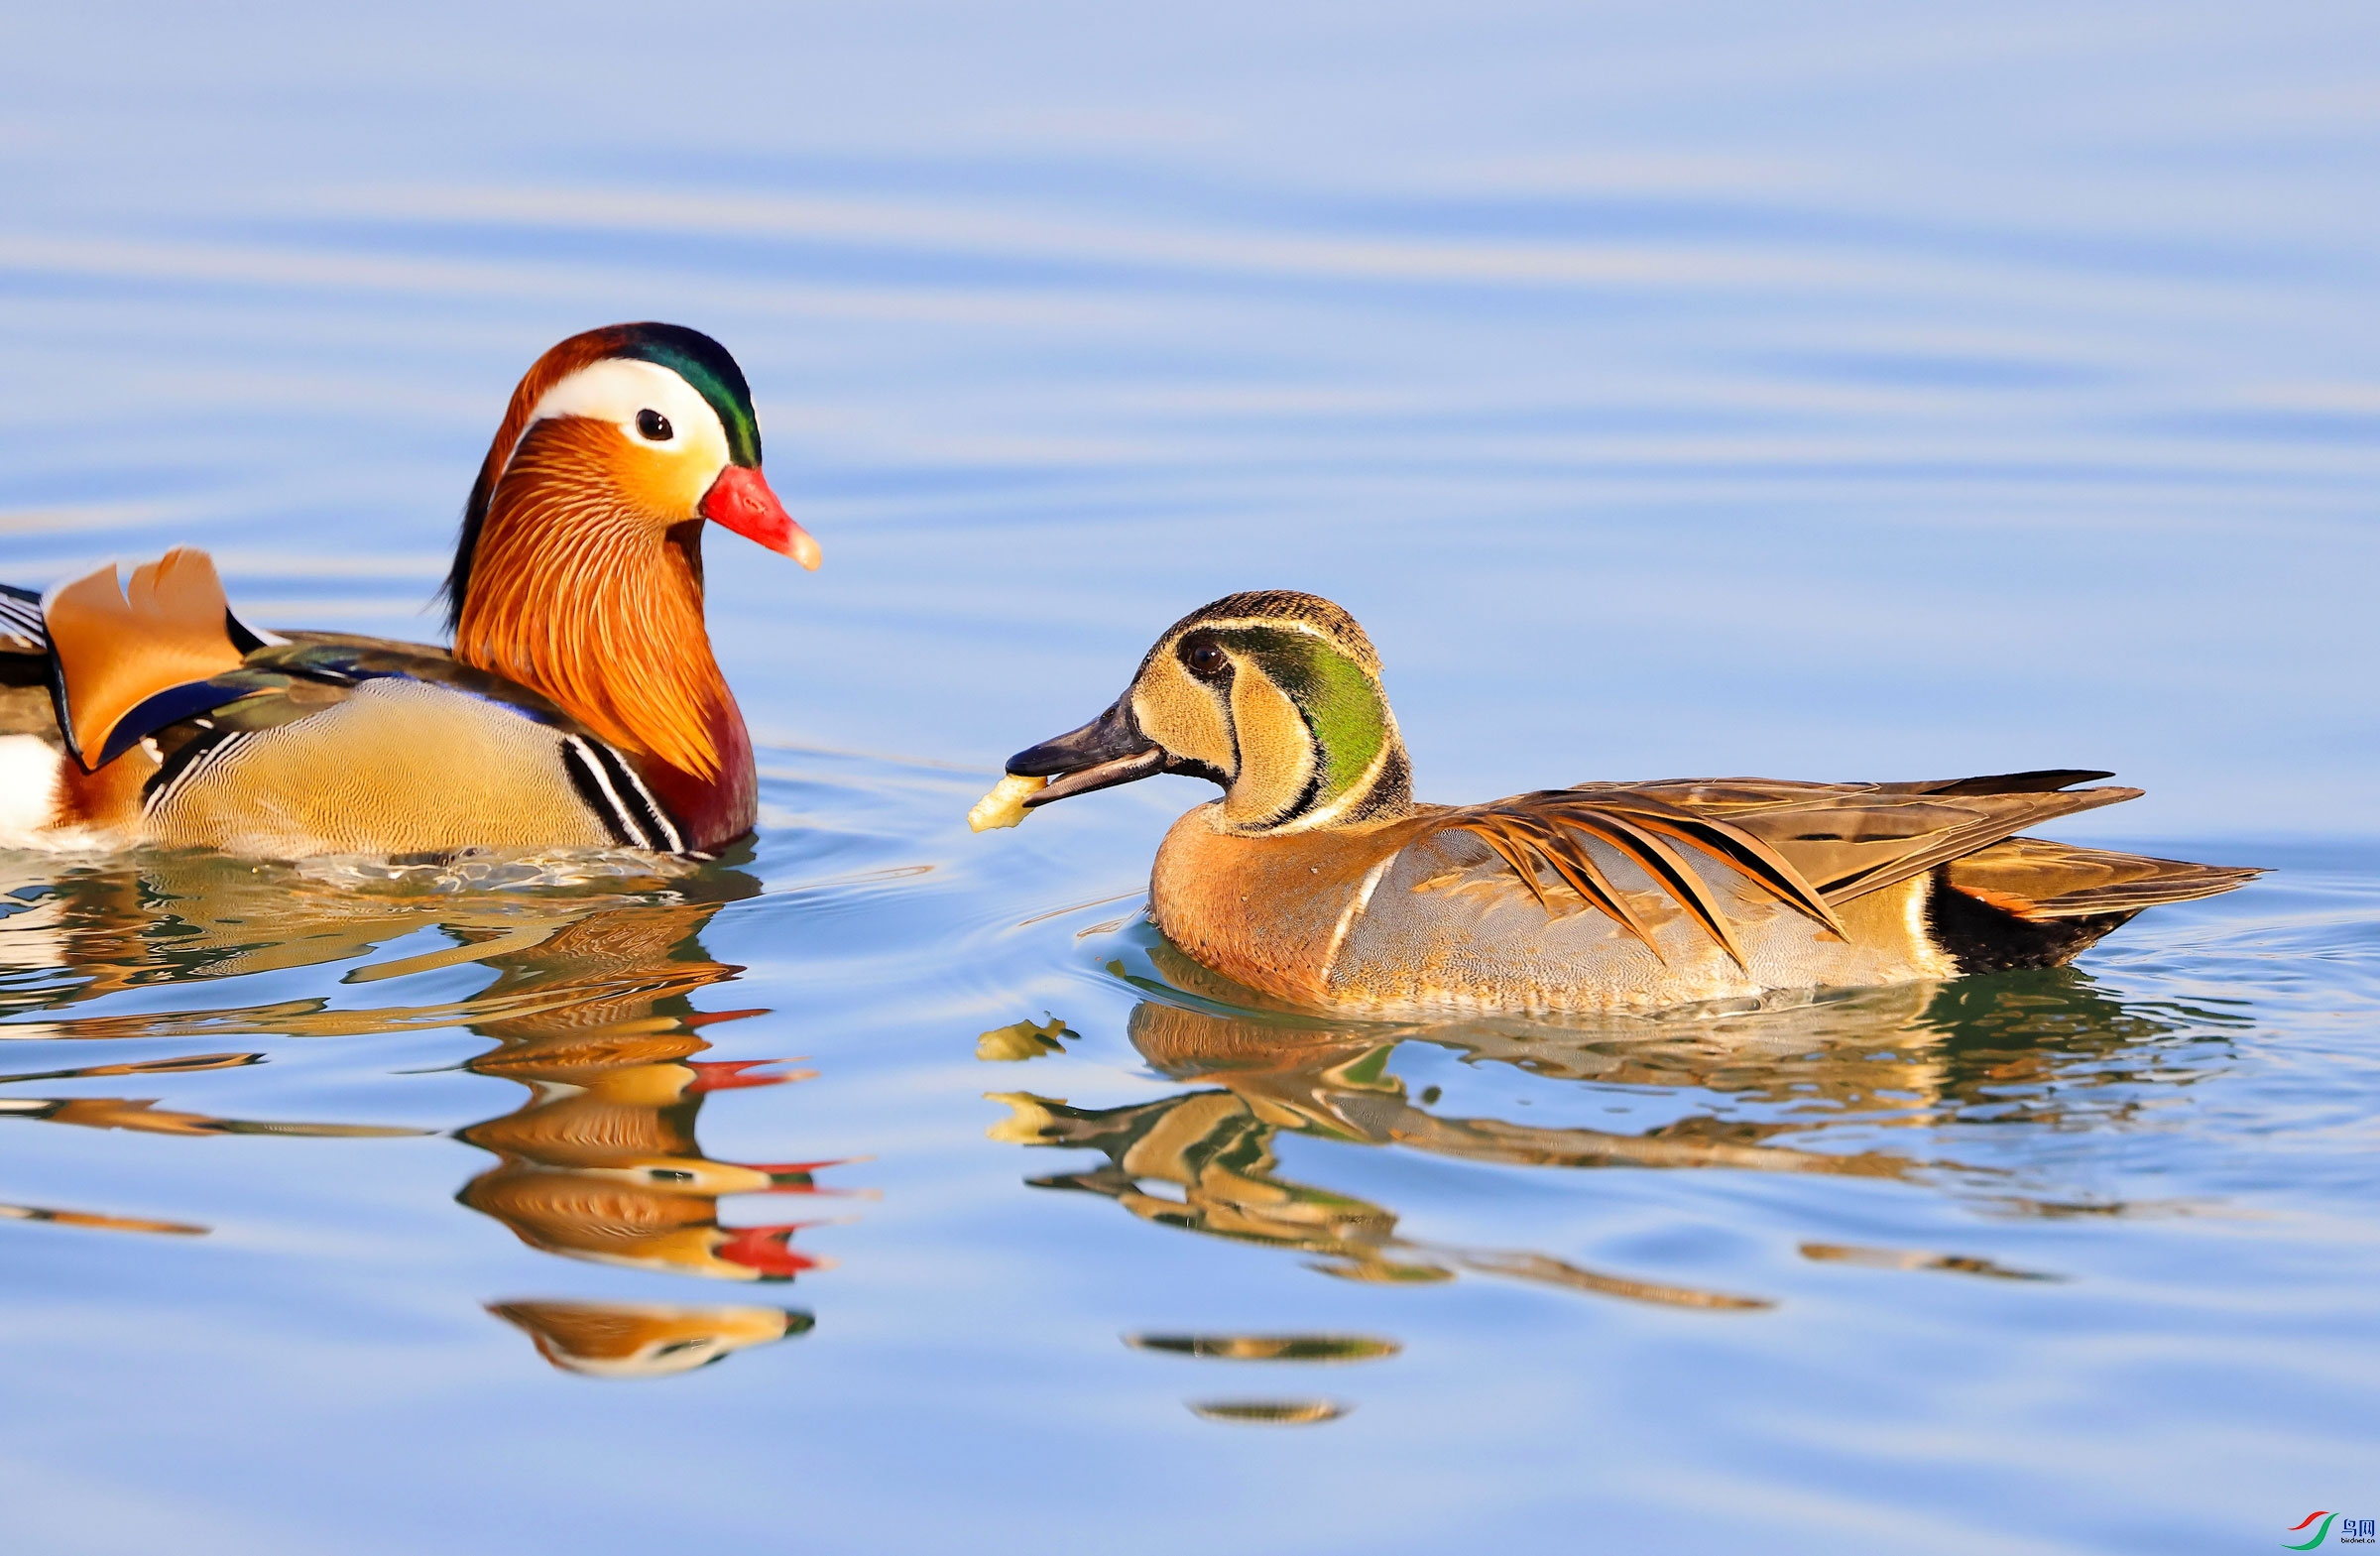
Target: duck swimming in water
{"x": 579, "y": 707}
{"x": 1318, "y": 879}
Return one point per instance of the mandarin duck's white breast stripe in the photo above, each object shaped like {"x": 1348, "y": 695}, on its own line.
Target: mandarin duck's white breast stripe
{"x": 594, "y": 785}
{"x": 612, "y": 788}
{"x": 672, "y": 840}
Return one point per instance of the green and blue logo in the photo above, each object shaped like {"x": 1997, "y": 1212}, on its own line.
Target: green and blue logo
{"x": 2354, "y": 1532}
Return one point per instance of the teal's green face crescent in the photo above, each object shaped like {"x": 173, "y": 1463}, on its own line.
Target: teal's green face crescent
{"x": 1342, "y": 705}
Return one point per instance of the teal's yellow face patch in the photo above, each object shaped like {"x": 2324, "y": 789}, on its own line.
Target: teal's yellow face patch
{"x": 1292, "y": 724}
{"x": 1342, "y": 705}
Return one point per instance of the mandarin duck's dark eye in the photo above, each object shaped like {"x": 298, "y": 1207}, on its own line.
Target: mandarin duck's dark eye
{"x": 1205, "y": 658}
{"x": 653, "y": 425}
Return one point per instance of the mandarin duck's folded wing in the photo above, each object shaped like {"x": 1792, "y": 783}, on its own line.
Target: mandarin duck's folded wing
{"x": 21, "y": 630}
{"x": 26, "y": 708}
{"x": 362, "y": 746}
{"x": 198, "y": 732}
{"x": 122, "y": 654}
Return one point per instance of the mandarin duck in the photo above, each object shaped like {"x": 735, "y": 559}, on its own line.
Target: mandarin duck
{"x": 1318, "y": 879}
{"x": 579, "y": 706}
{"x": 601, "y": 1161}
{"x": 645, "y": 1339}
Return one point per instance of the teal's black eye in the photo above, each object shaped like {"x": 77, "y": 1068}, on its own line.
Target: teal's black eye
{"x": 653, "y": 425}
{"x": 1204, "y": 658}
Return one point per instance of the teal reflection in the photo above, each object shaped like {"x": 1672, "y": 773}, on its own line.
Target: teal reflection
{"x": 1880, "y": 1085}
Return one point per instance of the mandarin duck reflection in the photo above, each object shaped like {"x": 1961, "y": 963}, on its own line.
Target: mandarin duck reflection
{"x": 182, "y": 917}
{"x": 645, "y": 1339}
{"x": 590, "y": 1010}
{"x": 580, "y": 707}
{"x": 1317, "y": 877}
{"x": 601, "y": 1162}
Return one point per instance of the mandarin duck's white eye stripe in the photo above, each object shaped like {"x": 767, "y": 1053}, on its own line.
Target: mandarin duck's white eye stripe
{"x": 628, "y": 392}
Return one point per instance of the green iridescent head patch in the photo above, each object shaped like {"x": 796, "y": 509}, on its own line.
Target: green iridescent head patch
{"x": 706, "y": 364}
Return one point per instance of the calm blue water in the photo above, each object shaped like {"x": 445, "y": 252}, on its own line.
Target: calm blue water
{"x": 1841, "y": 392}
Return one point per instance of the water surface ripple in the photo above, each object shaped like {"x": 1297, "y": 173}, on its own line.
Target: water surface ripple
{"x": 1842, "y": 392}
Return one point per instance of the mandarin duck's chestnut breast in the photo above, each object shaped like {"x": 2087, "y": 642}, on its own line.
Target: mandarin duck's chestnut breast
{"x": 579, "y": 707}
{"x": 1317, "y": 877}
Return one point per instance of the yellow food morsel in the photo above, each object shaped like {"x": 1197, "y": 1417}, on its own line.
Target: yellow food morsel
{"x": 1004, "y": 805}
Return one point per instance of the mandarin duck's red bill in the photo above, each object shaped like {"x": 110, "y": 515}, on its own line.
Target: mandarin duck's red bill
{"x": 741, "y": 499}
{"x": 1318, "y": 879}
{"x": 579, "y": 707}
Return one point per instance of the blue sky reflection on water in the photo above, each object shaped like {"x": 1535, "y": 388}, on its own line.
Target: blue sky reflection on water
{"x": 1843, "y": 391}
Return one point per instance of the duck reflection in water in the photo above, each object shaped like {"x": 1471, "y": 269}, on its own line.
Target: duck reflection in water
{"x": 142, "y": 1116}
{"x": 1213, "y": 1148}
{"x": 2031, "y": 1047}
{"x": 642, "y": 1340}
{"x": 589, "y": 1011}
{"x": 601, "y": 1162}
